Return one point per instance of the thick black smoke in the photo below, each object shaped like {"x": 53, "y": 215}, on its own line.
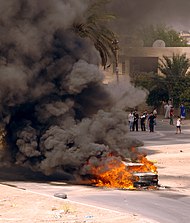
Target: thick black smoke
{"x": 56, "y": 112}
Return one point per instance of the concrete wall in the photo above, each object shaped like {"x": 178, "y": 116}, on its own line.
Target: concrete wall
{"x": 154, "y": 51}
{"x": 126, "y": 53}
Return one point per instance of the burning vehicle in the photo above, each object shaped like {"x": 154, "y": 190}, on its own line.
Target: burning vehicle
{"x": 126, "y": 175}
{"x": 56, "y": 113}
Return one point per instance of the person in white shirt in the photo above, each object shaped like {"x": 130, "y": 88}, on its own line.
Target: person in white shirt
{"x": 167, "y": 110}
{"x": 178, "y": 125}
{"x": 131, "y": 120}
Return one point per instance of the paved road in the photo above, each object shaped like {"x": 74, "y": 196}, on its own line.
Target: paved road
{"x": 164, "y": 205}
{"x": 164, "y": 134}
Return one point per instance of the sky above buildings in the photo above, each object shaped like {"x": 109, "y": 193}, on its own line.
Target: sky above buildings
{"x": 135, "y": 13}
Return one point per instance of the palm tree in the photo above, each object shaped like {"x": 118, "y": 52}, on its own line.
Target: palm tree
{"x": 94, "y": 28}
{"x": 177, "y": 66}
{"x": 175, "y": 71}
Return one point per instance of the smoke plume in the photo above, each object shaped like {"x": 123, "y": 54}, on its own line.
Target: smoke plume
{"x": 56, "y": 113}
{"x": 125, "y": 95}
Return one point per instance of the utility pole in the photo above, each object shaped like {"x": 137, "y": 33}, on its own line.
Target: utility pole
{"x": 116, "y": 54}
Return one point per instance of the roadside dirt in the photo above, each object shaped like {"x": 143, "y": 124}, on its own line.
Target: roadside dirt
{"x": 173, "y": 166}
{"x": 22, "y": 206}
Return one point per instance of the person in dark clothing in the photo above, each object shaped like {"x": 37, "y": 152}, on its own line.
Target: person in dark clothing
{"x": 143, "y": 119}
{"x": 172, "y": 115}
{"x": 136, "y": 120}
{"x": 151, "y": 121}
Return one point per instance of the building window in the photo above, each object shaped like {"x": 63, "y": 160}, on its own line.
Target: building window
{"x": 143, "y": 64}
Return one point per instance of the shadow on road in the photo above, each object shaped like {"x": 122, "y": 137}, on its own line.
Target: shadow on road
{"x": 16, "y": 173}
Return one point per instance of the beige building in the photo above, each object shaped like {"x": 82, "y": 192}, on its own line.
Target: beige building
{"x": 144, "y": 59}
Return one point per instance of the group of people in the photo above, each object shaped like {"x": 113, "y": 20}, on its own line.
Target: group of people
{"x": 169, "y": 113}
{"x": 147, "y": 121}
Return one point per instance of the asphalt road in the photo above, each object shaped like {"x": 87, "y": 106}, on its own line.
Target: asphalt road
{"x": 164, "y": 205}
{"x": 164, "y": 134}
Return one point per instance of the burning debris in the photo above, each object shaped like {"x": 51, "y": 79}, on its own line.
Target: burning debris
{"x": 119, "y": 174}
{"x": 56, "y": 113}
{"x": 146, "y": 179}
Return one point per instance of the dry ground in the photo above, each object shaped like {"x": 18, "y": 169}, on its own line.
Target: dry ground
{"x": 21, "y": 206}
{"x": 173, "y": 162}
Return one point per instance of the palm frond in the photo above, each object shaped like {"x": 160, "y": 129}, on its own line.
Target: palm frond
{"x": 94, "y": 28}
{"x": 176, "y": 66}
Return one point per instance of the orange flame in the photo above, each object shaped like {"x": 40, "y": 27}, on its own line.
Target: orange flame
{"x": 148, "y": 165}
{"x": 116, "y": 174}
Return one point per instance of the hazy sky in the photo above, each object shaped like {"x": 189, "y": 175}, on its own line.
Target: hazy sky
{"x": 132, "y": 13}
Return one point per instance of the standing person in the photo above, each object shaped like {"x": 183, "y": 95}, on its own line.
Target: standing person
{"x": 151, "y": 120}
{"x": 131, "y": 120}
{"x": 146, "y": 113}
{"x": 172, "y": 115}
{"x": 143, "y": 119}
{"x": 155, "y": 115}
{"x": 136, "y": 120}
{"x": 155, "y": 112}
{"x": 178, "y": 125}
{"x": 167, "y": 110}
{"x": 146, "y": 120}
{"x": 182, "y": 112}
